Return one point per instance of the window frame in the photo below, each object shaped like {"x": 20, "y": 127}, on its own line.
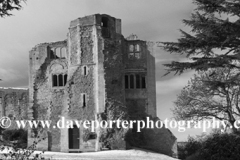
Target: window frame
{"x": 134, "y": 49}
{"x": 57, "y": 84}
{"x": 138, "y": 83}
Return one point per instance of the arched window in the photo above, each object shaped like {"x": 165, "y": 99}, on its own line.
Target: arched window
{"x": 60, "y": 80}
{"x": 65, "y": 79}
{"x": 55, "y": 80}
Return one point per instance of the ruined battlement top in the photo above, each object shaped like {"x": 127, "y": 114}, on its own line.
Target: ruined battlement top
{"x": 7, "y": 90}
{"x": 57, "y": 43}
{"x": 95, "y": 19}
{"x": 13, "y": 88}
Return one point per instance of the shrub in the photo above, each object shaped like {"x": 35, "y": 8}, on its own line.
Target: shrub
{"x": 113, "y": 138}
{"x": 18, "y": 135}
{"x": 194, "y": 156}
{"x": 19, "y": 150}
{"x": 221, "y": 147}
{"x": 191, "y": 147}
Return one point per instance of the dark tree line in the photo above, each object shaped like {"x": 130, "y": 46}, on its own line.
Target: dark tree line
{"x": 213, "y": 47}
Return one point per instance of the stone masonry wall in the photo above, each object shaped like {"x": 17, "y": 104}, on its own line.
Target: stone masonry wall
{"x": 46, "y": 101}
{"x": 14, "y": 104}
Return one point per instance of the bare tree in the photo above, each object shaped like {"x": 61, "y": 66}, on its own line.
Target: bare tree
{"x": 213, "y": 93}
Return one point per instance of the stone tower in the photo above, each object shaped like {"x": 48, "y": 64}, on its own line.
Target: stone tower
{"x": 76, "y": 79}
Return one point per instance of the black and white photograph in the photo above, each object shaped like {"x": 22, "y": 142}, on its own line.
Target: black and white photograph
{"x": 120, "y": 80}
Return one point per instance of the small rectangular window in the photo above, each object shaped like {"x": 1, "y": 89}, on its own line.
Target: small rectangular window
{"x": 137, "y": 48}
{"x": 137, "y": 81}
{"x": 131, "y": 55}
{"x": 84, "y": 99}
{"x": 84, "y": 70}
{"x": 131, "y": 81}
{"x": 137, "y": 55}
{"x": 143, "y": 82}
{"x": 131, "y": 48}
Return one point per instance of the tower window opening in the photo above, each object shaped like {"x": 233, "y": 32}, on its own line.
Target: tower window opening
{"x": 58, "y": 53}
{"x": 105, "y": 29}
{"x": 131, "y": 55}
{"x": 134, "y": 51}
{"x": 84, "y": 100}
{"x": 131, "y": 81}
{"x": 137, "y": 81}
{"x": 85, "y": 70}
{"x": 65, "y": 79}
{"x": 131, "y": 48}
{"x": 143, "y": 82}
{"x": 137, "y": 48}
{"x": 52, "y": 54}
{"x": 137, "y": 55}
{"x": 59, "y": 80}
{"x": 55, "y": 80}
{"x": 104, "y": 22}
{"x": 63, "y": 52}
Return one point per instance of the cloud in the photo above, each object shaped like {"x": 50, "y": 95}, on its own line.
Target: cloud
{"x": 174, "y": 84}
{"x": 10, "y": 75}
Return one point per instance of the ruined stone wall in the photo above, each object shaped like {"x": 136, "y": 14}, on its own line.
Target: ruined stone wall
{"x": 81, "y": 80}
{"x": 46, "y": 101}
{"x": 161, "y": 141}
{"x": 151, "y": 80}
{"x": 14, "y": 104}
{"x": 155, "y": 139}
{"x": 141, "y": 99}
{"x": 95, "y": 64}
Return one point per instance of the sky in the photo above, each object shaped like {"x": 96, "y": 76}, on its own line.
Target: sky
{"x": 48, "y": 21}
